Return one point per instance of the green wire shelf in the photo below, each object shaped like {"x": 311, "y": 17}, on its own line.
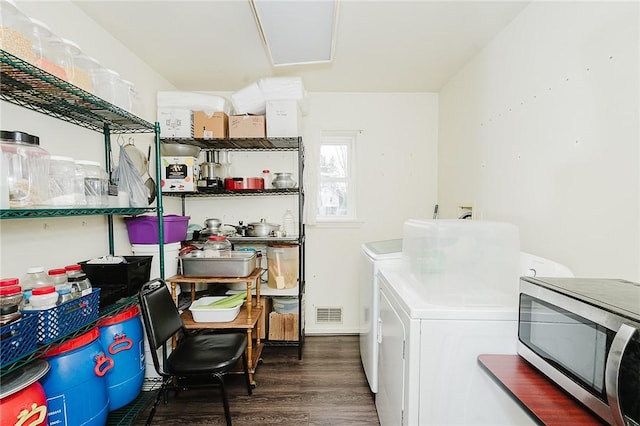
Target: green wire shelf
{"x": 241, "y": 144}
{"x": 35, "y": 213}
{"x": 28, "y": 86}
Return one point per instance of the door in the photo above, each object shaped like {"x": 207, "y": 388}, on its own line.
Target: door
{"x": 391, "y": 364}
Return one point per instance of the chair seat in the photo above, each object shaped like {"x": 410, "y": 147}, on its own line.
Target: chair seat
{"x": 206, "y": 354}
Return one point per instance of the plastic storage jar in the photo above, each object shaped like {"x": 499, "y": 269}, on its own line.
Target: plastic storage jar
{"x": 10, "y": 295}
{"x": 106, "y": 84}
{"x": 282, "y": 261}
{"x": 43, "y": 298}
{"x": 36, "y": 277}
{"x": 47, "y": 56}
{"x": 24, "y": 171}
{"x": 14, "y": 31}
{"x": 217, "y": 246}
{"x": 66, "y": 51}
{"x": 86, "y": 67}
{"x": 95, "y": 183}
{"x": 80, "y": 284}
{"x": 62, "y": 174}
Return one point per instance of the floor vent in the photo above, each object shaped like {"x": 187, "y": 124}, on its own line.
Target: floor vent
{"x": 331, "y": 315}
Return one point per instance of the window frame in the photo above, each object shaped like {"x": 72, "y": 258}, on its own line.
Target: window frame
{"x": 348, "y": 139}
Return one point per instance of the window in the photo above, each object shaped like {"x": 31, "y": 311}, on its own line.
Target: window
{"x": 336, "y": 182}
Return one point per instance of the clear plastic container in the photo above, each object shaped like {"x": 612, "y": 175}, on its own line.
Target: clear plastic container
{"x": 124, "y": 95}
{"x": 62, "y": 174}
{"x": 48, "y": 56}
{"x": 86, "y": 67}
{"x": 95, "y": 183}
{"x": 43, "y": 298}
{"x": 266, "y": 175}
{"x": 66, "y": 51}
{"x": 15, "y": 28}
{"x": 80, "y": 284}
{"x": 288, "y": 224}
{"x": 59, "y": 278}
{"x": 107, "y": 83}
{"x": 78, "y": 185}
{"x": 217, "y": 246}
{"x": 25, "y": 167}
{"x": 283, "y": 266}
{"x": 10, "y": 295}
{"x": 64, "y": 295}
{"x": 36, "y": 277}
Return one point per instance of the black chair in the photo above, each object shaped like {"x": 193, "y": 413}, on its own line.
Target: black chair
{"x": 197, "y": 355}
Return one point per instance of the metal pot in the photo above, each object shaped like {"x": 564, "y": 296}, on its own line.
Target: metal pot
{"x": 261, "y": 229}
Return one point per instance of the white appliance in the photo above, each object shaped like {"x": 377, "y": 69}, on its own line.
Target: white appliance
{"x": 373, "y": 254}
{"x": 428, "y": 369}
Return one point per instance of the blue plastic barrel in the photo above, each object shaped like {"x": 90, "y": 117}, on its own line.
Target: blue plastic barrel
{"x": 75, "y": 385}
{"x": 121, "y": 337}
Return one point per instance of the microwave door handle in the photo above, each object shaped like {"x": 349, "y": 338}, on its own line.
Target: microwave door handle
{"x": 612, "y": 370}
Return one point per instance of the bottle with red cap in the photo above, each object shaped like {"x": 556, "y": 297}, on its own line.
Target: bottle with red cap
{"x": 79, "y": 281}
{"x": 10, "y": 298}
{"x": 43, "y": 298}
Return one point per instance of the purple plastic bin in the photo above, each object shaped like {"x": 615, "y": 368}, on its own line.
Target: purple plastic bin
{"x": 144, "y": 229}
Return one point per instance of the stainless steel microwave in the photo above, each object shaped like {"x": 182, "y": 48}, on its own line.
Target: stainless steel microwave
{"x": 584, "y": 334}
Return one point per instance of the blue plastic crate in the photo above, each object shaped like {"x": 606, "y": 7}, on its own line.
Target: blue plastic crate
{"x": 18, "y": 339}
{"x": 66, "y": 318}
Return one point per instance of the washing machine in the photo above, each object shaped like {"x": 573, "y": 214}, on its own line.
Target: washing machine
{"x": 428, "y": 369}
{"x": 372, "y": 256}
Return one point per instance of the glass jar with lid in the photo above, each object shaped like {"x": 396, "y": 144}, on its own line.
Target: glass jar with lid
{"x": 15, "y": 28}
{"x": 66, "y": 51}
{"x": 217, "y": 246}
{"x": 86, "y": 67}
{"x": 24, "y": 171}
{"x": 95, "y": 183}
{"x": 47, "y": 56}
{"x": 62, "y": 174}
{"x": 106, "y": 84}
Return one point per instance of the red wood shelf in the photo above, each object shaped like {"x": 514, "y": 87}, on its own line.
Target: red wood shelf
{"x": 537, "y": 394}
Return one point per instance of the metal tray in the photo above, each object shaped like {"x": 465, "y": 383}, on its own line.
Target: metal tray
{"x": 237, "y": 264}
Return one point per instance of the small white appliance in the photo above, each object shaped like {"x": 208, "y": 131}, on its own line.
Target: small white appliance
{"x": 373, "y": 254}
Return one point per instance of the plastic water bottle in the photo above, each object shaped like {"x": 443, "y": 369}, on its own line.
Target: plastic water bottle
{"x": 288, "y": 224}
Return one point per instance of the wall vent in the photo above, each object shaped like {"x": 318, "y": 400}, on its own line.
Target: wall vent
{"x": 329, "y": 315}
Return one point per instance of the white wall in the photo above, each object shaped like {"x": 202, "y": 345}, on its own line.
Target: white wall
{"x": 60, "y": 241}
{"x": 396, "y": 178}
{"x": 541, "y": 130}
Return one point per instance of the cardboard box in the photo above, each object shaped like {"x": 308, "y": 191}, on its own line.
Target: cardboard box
{"x": 283, "y": 326}
{"x": 177, "y": 174}
{"x": 175, "y": 122}
{"x": 262, "y": 322}
{"x": 207, "y": 126}
{"x": 283, "y": 119}
{"x": 247, "y": 126}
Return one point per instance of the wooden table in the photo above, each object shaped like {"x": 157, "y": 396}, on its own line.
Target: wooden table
{"x": 254, "y": 278}
{"x": 547, "y": 402}
{"x": 247, "y": 319}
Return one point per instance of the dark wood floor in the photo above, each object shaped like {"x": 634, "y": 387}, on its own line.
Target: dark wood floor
{"x": 327, "y": 387}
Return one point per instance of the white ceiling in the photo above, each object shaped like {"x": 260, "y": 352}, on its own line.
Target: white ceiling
{"x": 381, "y": 46}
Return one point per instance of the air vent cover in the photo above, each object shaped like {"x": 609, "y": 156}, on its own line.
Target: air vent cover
{"x": 329, "y": 314}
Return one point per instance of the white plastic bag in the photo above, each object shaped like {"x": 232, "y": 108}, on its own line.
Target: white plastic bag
{"x": 129, "y": 180}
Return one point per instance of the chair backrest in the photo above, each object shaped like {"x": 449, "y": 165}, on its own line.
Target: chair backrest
{"x": 160, "y": 314}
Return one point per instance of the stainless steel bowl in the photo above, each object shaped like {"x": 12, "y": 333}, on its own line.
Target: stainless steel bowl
{"x": 179, "y": 150}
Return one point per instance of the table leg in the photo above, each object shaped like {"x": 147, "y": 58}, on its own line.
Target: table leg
{"x": 173, "y": 292}
{"x": 250, "y": 356}
{"x": 249, "y": 300}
